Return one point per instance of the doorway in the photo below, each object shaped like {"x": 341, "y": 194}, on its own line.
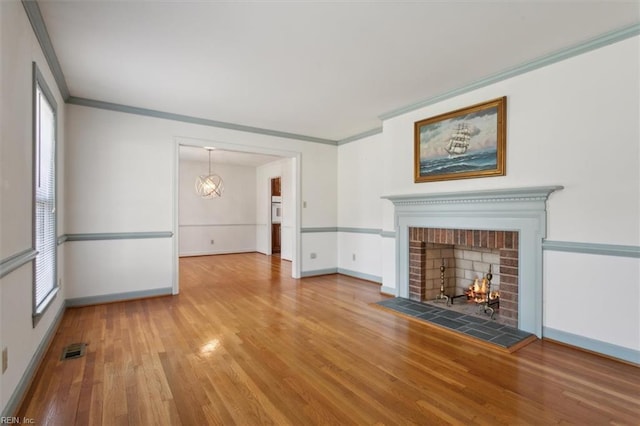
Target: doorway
{"x": 276, "y": 215}
{"x": 263, "y": 219}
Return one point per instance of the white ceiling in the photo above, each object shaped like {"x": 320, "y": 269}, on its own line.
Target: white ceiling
{"x": 324, "y": 69}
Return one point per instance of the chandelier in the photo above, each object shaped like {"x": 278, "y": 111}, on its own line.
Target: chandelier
{"x": 210, "y": 185}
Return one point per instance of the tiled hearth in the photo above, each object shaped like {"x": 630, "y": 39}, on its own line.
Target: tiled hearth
{"x": 484, "y": 329}
{"x": 461, "y": 250}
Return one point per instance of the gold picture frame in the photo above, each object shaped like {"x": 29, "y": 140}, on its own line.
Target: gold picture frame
{"x": 465, "y": 143}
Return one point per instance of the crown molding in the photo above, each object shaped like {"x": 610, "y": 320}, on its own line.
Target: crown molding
{"x": 596, "y": 43}
{"x": 359, "y": 136}
{"x": 73, "y": 100}
{"x": 37, "y": 23}
{"x": 40, "y": 30}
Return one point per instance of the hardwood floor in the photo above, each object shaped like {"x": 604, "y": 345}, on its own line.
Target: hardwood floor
{"x": 245, "y": 344}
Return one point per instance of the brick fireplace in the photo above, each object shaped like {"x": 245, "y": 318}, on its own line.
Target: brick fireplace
{"x": 467, "y": 255}
{"x": 512, "y": 221}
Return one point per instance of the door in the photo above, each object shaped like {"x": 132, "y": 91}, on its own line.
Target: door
{"x": 275, "y": 238}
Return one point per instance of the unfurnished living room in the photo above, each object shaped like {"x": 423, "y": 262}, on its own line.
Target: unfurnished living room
{"x": 319, "y": 212}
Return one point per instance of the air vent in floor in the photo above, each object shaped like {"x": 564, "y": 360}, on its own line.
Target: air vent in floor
{"x": 74, "y": 350}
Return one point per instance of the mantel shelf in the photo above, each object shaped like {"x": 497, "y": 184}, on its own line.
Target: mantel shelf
{"x": 537, "y": 193}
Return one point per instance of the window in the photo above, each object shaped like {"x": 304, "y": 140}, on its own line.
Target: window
{"x": 44, "y": 189}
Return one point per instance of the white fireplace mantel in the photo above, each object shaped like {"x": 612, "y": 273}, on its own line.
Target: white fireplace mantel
{"x": 513, "y": 209}
{"x": 507, "y": 195}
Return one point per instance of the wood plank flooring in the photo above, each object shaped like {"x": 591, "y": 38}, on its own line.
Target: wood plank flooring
{"x": 245, "y": 344}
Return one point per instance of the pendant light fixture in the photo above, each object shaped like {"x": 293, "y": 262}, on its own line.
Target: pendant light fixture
{"x": 211, "y": 185}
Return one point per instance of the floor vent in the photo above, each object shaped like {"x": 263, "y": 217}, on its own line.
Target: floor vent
{"x": 74, "y": 350}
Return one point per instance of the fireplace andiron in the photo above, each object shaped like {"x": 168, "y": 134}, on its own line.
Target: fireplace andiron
{"x": 442, "y": 297}
{"x": 488, "y": 303}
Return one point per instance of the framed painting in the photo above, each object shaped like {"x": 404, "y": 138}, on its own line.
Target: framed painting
{"x": 466, "y": 143}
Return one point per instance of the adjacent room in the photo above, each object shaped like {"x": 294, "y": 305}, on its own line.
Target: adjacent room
{"x": 313, "y": 212}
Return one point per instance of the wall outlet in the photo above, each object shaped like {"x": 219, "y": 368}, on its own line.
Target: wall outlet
{"x": 304, "y": 204}
{"x": 313, "y": 255}
{"x": 211, "y": 242}
{"x": 353, "y": 257}
{"x": 5, "y": 359}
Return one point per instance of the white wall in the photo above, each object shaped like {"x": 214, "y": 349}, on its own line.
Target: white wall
{"x": 289, "y": 203}
{"x": 319, "y": 254}
{"x": 121, "y": 175}
{"x": 119, "y": 179}
{"x": 319, "y": 210}
{"x": 583, "y": 284}
{"x": 109, "y": 267}
{"x": 19, "y": 48}
{"x": 361, "y": 178}
{"x": 228, "y": 221}
{"x": 574, "y": 123}
{"x": 360, "y": 206}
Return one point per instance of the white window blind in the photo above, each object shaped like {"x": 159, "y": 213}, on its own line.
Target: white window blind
{"x": 44, "y": 182}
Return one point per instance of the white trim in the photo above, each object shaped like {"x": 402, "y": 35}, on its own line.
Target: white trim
{"x": 505, "y": 195}
{"x": 175, "y": 251}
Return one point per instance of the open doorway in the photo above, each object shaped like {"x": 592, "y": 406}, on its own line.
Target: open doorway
{"x": 216, "y": 230}
{"x": 276, "y": 215}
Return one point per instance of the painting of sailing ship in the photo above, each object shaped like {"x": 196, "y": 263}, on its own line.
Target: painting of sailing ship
{"x": 465, "y": 143}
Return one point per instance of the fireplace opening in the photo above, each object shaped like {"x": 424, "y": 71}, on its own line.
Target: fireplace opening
{"x": 474, "y": 272}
